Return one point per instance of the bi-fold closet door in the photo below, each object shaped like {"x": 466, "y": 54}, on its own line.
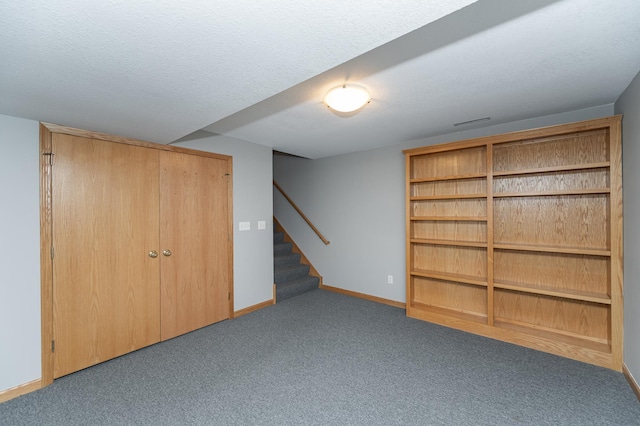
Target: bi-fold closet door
{"x": 141, "y": 247}
{"x": 195, "y": 242}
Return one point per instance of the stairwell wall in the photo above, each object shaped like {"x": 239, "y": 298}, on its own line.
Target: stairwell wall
{"x": 357, "y": 201}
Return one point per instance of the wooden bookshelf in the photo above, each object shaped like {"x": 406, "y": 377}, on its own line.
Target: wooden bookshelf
{"x": 518, "y": 237}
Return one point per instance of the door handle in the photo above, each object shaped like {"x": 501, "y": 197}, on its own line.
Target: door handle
{"x": 167, "y": 252}
{"x": 153, "y": 254}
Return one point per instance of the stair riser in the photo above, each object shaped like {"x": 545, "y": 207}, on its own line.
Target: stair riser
{"x": 286, "y": 260}
{"x": 282, "y": 248}
{"x": 278, "y": 237}
{"x": 290, "y": 274}
{"x": 302, "y": 286}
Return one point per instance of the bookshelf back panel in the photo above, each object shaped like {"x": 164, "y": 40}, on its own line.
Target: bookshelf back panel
{"x": 563, "y": 150}
{"x": 449, "y": 187}
{"x": 464, "y": 207}
{"x": 562, "y": 221}
{"x": 518, "y": 237}
{"x": 572, "y": 317}
{"x": 554, "y": 181}
{"x": 470, "y": 261}
{"x": 451, "y": 295}
{"x": 450, "y": 230}
{"x": 581, "y": 273}
{"x": 449, "y": 163}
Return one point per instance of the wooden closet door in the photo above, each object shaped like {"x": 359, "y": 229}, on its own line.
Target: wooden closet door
{"x": 105, "y": 222}
{"x": 194, "y": 228}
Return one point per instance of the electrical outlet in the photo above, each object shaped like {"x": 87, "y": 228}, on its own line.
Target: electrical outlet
{"x": 262, "y": 224}
{"x": 244, "y": 226}
{"x": 389, "y": 279}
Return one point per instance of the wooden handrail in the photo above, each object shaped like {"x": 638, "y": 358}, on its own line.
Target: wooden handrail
{"x": 306, "y": 219}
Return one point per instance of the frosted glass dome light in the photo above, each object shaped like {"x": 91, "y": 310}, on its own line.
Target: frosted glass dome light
{"x": 347, "y": 98}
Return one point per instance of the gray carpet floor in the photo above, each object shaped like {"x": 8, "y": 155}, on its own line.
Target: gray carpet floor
{"x": 328, "y": 359}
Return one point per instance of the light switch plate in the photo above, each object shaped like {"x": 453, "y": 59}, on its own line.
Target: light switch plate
{"x": 262, "y": 224}
{"x": 244, "y": 226}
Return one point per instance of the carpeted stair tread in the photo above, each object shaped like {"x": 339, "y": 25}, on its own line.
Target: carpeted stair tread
{"x": 286, "y": 259}
{"x": 290, "y": 276}
{"x": 296, "y": 287}
{"x": 284, "y": 274}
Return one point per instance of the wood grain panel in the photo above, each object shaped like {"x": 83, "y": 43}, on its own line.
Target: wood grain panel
{"x": 544, "y": 251}
{"x": 450, "y": 230}
{"x": 551, "y": 151}
{"x": 456, "y": 297}
{"x": 578, "y": 273}
{"x": 573, "y": 318}
{"x": 573, "y": 348}
{"x": 600, "y": 124}
{"x": 617, "y": 258}
{"x": 193, "y": 226}
{"x": 471, "y": 207}
{"x": 88, "y": 134}
{"x": 23, "y": 389}
{"x": 46, "y": 262}
{"x": 564, "y": 221}
{"x": 490, "y": 234}
{"x": 555, "y": 181}
{"x": 105, "y": 222}
{"x": 450, "y": 259}
{"x": 463, "y": 162}
{"x": 449, "y": 187}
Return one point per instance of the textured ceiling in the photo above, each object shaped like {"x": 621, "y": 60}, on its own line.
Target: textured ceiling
{"x": 158, "y": 70}
{"x": 529, "y": 59}
{"x": 258, "y": 70}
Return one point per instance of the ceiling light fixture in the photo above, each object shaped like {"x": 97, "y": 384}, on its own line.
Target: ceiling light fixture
{"x": 347, "y": 98}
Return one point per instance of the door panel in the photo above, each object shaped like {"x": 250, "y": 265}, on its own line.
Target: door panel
{"x": 105, "y": 223}
{"x": 194, "y": 227}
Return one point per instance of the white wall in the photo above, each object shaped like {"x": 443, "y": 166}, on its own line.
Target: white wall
{"x": 629, "y": 105}
{"x": 252, "y": 202}
{"x": 357, "y": 201}
{"x": 19, "y": 252}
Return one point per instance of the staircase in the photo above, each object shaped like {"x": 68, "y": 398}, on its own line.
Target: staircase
{"x": 289, "y": 274}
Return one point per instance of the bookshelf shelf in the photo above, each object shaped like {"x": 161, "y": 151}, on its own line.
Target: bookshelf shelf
{"x": 519, "y": 237}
